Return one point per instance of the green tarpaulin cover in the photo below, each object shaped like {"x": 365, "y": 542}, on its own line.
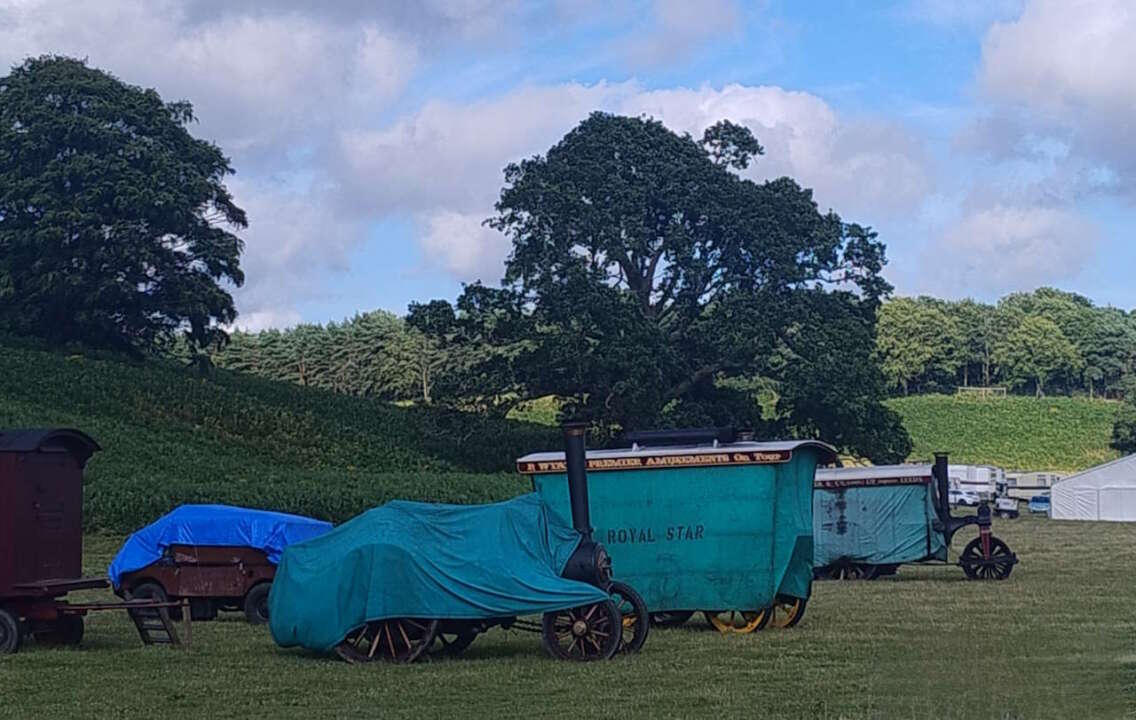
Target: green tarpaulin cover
{"x": 875, "y": 516}
{"x": 420, "y": 560}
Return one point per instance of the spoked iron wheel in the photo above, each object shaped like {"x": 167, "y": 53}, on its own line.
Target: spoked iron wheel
{"x": 634, "y": 617}
{"x": 588, "y": 632}
{"x": 739, "y": 622}
{"x": 400, "y": 640}
{"x": 977, "y": 568}
{"x": 674, "y": 618}
{"x": 787, "y": 611}
{"x": 452, "y": 641}
{"x": 853, "y": 571}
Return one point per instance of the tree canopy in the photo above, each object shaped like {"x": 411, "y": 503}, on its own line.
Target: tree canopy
{"x": 931, "y": 345}
{"x": 645, "y": 272}
{"x": 116, "y": 228}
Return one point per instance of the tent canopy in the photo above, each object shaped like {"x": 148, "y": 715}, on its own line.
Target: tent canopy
{"x": 1105, "y": 492}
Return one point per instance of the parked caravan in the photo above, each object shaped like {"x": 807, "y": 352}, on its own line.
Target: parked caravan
{"x": 1024, "y": 485}
{"x": 984, "y": 481}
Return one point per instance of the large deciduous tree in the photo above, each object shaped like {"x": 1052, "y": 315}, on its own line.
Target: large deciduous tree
{"x": 917, "y": 339}
{"x": 116, "y": 228}
{"x": 645, "y": 271}
{"x": 1035, "y": 351}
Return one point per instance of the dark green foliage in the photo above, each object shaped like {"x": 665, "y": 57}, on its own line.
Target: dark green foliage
{"x": 112, "y": 216}
{"x": 372, "y": 355}
{"x": 1041, "y": 342}
{"x": 172, "y": 437}
{"x": 645, "y": 274}
{"x": 1124, "y": 427}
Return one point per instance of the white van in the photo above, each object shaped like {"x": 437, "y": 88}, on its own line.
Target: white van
{"x": 964, "y": 497}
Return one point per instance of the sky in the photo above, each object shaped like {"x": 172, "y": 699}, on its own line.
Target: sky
{"x": 991, "y": 144}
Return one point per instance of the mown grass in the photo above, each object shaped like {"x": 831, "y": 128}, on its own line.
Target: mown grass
{"x": 1056, "y": 640}
{"x": 1022, "y": 433}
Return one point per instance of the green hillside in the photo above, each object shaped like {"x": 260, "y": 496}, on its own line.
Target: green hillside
{"x": 1024, "y": 433}
{"x": 171, "y": 437}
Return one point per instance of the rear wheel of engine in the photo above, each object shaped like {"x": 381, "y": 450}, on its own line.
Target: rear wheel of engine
{"x": 397, "y": 640}
{"x": 634, "y": 618}
{"x": 584, "y": 633}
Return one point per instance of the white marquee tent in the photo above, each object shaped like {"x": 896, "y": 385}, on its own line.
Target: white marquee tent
{"x": 1105, "y": 492}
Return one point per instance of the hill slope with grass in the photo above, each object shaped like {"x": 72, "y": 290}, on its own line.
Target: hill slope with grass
{"x": 170, "y": 437}
{"x": 1021, "y": 433}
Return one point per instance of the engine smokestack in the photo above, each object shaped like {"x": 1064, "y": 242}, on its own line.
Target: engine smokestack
{"x": 575, "y": 458}
{"x": 942, "y": 487}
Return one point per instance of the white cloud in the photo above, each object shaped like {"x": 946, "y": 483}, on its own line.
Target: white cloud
{"x": 300, "y": 94}
{"x": 855, "y": 166}
{"x": 1062, "y": 74}
{"x": 1072, "y": 59}
{"x": 294, "y": 240}
{"x": 448, "y": 155}
{"x": 445, "y": 160}
{"x": 676, "y": 27}
{"x": 1004, "y": 248}
{"x": 461, "y": 244}
{"x": 270, "y": 88}
{"x": 257, "y": 82}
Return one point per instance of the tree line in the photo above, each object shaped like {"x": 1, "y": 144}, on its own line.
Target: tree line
{"x": 374, "y": 354}
{"x": 1041, "y": 342}
{"x": 649, "y": 283}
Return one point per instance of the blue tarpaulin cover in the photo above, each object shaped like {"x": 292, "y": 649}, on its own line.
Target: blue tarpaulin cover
{"x": 213, "y": 525}
{"x": 421, "y": 560}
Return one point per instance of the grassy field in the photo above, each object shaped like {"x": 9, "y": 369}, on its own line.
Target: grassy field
{"x": 1022, "y": 433}
{"x": 1056, "y": 640}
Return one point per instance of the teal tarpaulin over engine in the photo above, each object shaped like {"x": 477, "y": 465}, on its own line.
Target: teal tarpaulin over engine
{"x": 881, "y": 515}
{"x": 421, "y": 560}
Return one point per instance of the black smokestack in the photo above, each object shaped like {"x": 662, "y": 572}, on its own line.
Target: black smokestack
{"x": 942, "y": 488}
{"x": 575, "y": 458}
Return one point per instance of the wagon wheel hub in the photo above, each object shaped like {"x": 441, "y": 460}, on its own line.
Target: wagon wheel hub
{"x": 580, "y": 628}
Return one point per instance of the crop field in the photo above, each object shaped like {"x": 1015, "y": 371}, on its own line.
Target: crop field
{"x": 170, "y": 437}
{"x": 1056, "y": 640}
{"x": 1019, "y": 433}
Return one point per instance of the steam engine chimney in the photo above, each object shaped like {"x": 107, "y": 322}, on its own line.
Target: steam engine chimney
{"x": 942, "y": 488}
{"x": 575, "y": 458}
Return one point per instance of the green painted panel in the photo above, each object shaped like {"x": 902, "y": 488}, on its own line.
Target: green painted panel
{"x": 705, "y": 538}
